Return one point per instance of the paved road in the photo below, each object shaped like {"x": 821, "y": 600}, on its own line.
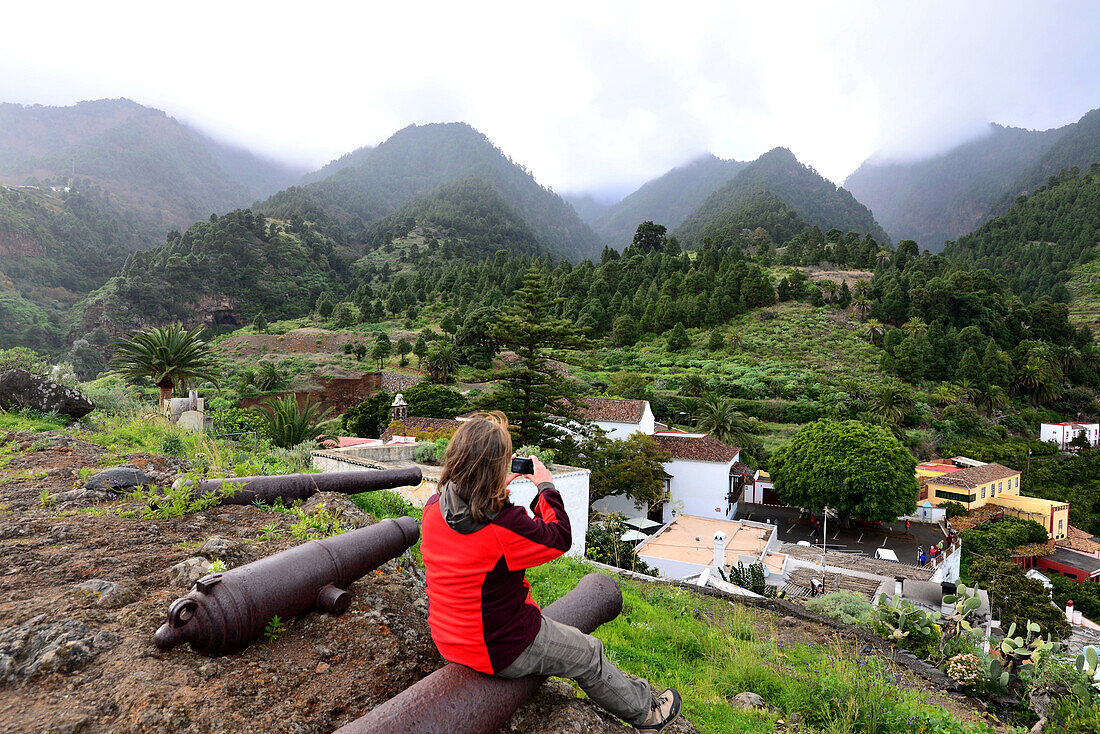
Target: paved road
{"x": 859, "y": 537}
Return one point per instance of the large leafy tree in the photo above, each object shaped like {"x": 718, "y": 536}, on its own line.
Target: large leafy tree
{"x": 435, "y": 401}
{"x": 168, "y": 355}
{"x": 855, "y": 468}
{"x": 633, "y": 467}
{"x": 541, "y": 403}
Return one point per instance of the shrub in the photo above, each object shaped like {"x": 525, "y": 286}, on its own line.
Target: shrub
{"x": 21, "y": 358}
{"x": 844, "y": 606}
{"x": 431, "y": 452}
{"x": 953, "y": 509}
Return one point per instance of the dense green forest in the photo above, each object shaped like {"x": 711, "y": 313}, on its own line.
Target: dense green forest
{"x": 413, "y": 163}
{"x": 945, "y": 196}
{"x": 668, "y": 199}
{"x": 799, "y": 187}
{"x": 468, "y": 209}
{"x": 1034, "y": 245}
{"x": 239, "y": 258}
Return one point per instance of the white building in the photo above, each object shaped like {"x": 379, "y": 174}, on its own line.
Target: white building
{"x": 619, "y": 418}
{"x": 1063, "y": 434}
{"x": 761, "y": 490}
{"x": 690, "y": 545}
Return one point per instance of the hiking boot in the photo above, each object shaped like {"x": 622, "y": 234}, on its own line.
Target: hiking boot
{"x": 664, "y": 710}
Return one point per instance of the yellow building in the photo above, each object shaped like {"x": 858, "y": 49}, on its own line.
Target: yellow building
{"x": 974, "y": 485}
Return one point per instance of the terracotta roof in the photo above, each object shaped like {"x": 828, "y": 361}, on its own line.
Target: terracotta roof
{"x": 613, "y": 409}
{"x": 974, "y": 477}
{"x": 858, "y": 562}
{"x": 802, "y": 579}
{"x": 1077, "y": 539}
{"x": 742, "y": 469}
{"x": 422, "y": 424}
{"x": 696, "y": 448}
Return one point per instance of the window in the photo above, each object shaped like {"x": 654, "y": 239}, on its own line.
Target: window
{"x": 1000, "y": 486}
{"x": 956, "y": 496}
{"x": 983, "y": 493}
{"x": 1059, "y": 524}
{"x": 1017, "y": 481}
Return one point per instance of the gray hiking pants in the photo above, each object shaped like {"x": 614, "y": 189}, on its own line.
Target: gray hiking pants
{"x": 566, "y": 652}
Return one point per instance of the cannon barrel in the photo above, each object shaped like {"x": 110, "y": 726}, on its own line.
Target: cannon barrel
{"x": 456, "y": 698}
{"x": 291, "y": 487}
{"x": 225, "y": 611}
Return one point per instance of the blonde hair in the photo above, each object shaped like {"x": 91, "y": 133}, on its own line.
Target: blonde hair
{"x": 477, "y": 462}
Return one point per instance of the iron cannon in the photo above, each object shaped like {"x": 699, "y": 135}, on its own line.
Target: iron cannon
{"x": 292, "y": 487}
{"x": 456, "y": 698}
{"x": 226, "y": 611}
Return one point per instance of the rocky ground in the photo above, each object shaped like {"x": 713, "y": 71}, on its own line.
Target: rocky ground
{"x": 82, "y": 590}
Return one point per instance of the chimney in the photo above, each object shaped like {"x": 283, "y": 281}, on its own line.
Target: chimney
{"x": 898, "y": 584}
{"x": 720, "y": 549}
{"x": 399, "y": 409}
{"x": 1069, "y": 611}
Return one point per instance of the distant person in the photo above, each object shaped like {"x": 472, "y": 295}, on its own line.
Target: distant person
{"x": 476, "y": 546}
{"x": 920, "y": 552}
{"x": 923, "y": 559}
{"x": 906, "y": 527}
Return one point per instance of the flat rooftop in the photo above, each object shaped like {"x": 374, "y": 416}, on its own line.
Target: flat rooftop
{"x": 690, "y": 539}
{"x": 859, "y": 562}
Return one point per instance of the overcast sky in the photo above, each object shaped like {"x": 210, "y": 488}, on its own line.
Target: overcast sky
{"x": 589, "y": 96}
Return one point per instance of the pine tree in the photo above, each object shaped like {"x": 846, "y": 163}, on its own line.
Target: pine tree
{"x": 540, "y": 403}
{"x": 678, "y": 338}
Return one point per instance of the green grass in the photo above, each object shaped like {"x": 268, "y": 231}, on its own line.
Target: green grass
{"x": 29, "y": 421}
{"x": 778, "y": 434}
{"x": 1084, "y": 288}
{"x": 711, "y": 650}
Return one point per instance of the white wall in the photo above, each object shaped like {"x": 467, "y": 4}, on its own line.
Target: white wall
{"x": 619, "y": 503}
{"x": 573, "y": 486}
{"x": 698, "y": 488}
{"x": 669, "y": 569}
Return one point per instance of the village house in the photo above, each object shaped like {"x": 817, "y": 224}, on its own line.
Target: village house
{"x": 619, "y": 419}
{"x": 689, "y": 546}
{"x": 975, "y": 484}
{"x": 1063, "y": 434}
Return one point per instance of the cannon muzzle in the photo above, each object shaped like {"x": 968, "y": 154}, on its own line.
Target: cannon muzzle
{"x": 291, "y": 487}
{"x": 456, "y": 698}
{"x": 226, "y": 611}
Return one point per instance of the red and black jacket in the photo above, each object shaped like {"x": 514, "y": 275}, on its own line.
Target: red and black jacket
{"x": 480, "y": 608}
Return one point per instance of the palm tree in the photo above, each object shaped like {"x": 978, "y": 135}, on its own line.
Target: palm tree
{"x": 914, "y": 326}
{"x": 288, "y": 425}
{"x": 861, "y": 302}
{"x": 862, "y": 287}
{"x": 168, "y": 355}
{"x": 882, "y": 256}
{"x": 891, "y": 401}
{"x": 441, "y": 362}
{"x": 721, "y": 419}
{"x": 829, "y": 288}
{"x": 991, "y": 398}
{"x": 872, "y": 328}
{"x": 1031, "y": 378}
{"x": 734, "y": 337}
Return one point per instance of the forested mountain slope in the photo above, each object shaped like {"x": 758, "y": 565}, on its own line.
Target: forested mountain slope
{"x": 468, "y": 209}
{"x": 354, "y": 158}
{"x": 417, "y": 160}
{"x": 163, "y": 172}
{"x": 220, "y": 272}
{"x": 588, "y": 208}
{"x": 1034, "y": 245}
{"x": 1078, "y": 147}
{"x": 946, "y": 196}
{"x": 773, "y": 178}
{"x": 666, "y": 200}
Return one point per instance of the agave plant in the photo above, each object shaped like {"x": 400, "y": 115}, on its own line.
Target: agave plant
{"x": 288, "y": 425}
{"x": 168, "y": 355}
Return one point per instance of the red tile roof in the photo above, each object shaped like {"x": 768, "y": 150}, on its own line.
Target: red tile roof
{"x": 1077, "y": 539}
{"x": 693, "y": 448}
{"x": 613, "y": 409}
{"x": 974, "y": 476}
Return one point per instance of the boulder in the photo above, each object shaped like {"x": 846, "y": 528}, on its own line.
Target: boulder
{"x": 749, "y": 700}
{"x": 20, "y": 389}
{"x": 184, "y": 574}
{"x": 117, "y": 478}
{"x": 230, "y": 552}
{"x": 102, "y": 593}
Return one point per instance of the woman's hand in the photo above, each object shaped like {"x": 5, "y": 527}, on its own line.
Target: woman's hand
{"x": 541, "y": 473}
